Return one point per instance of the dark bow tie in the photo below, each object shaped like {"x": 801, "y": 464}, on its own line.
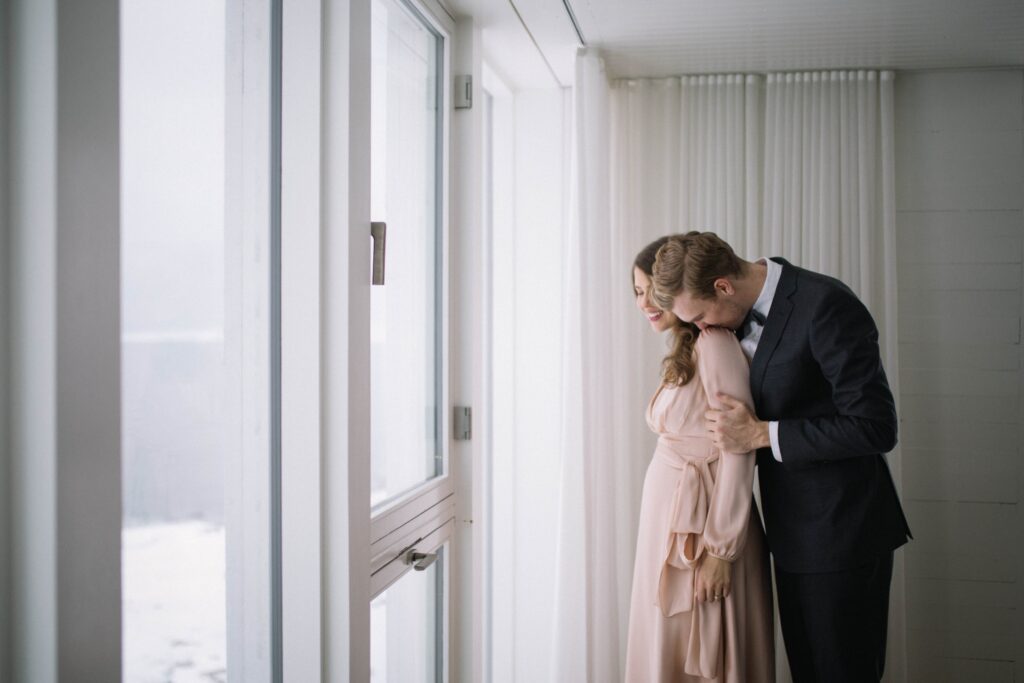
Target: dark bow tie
{"x": 755, "y": 316}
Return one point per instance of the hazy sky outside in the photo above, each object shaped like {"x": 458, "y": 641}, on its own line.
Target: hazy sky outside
{"x": 173, "y": 314}
{"x": 173, "y": 189}
{"x": 172, "y": 174}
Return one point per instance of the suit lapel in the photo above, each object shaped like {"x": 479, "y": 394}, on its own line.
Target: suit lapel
{"x": 774, "y": 326}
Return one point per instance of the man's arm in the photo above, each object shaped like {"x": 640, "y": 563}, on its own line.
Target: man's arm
{"x": 844, "y": 342}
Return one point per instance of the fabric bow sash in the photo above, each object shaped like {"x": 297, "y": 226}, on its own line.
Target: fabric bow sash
{"x": 685, "y": 545}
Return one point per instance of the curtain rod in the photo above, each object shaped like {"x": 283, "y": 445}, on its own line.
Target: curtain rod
{"x": 930, "y": 69}
{"x": 575, "y": 23}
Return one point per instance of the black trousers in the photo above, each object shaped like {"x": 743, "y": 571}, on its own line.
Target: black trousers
{"x": 834, "y": 624}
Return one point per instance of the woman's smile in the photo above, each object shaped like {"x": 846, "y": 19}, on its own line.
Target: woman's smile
{"x": 654, "y": 315}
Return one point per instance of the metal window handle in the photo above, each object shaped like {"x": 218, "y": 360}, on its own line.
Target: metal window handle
{"x": 420, "y": 561}
{"x": 379, "y": 233}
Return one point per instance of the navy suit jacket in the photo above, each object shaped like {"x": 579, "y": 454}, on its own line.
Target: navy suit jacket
{"x": 831, "y": 503}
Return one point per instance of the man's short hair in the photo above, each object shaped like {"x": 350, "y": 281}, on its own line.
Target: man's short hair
{"x": 691, "y": 263}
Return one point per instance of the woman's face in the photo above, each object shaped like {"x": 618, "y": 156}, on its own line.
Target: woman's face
{"x": 660, "y": 320}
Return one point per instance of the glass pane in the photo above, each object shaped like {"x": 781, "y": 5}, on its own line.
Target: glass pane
{"x": 405, "y": 325}
{"x": 184, "y": 378}
{"x": 406, "y": 628}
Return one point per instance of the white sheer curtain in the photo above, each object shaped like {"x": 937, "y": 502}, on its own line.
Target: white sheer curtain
{"x": 601, "y": 471}
{"x": 828, "y": 184}
{"x": 793, "y": 165}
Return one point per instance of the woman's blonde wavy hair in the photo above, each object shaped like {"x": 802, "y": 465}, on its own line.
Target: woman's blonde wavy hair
{"x": 679, "y": 366}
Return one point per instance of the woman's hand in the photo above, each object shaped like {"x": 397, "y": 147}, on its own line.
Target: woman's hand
{"x": 714, "y": 579}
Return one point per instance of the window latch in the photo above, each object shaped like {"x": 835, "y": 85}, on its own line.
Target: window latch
{"x": 379, "y": 233}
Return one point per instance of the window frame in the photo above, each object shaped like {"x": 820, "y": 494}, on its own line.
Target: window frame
{"x": 328, "y": 497}
{"x": 405, "y": 507}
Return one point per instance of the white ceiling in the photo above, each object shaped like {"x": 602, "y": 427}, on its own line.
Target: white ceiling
{"x": 663, "y": 37}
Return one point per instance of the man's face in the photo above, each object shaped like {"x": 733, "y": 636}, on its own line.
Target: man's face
{"x": 720, "y": 311}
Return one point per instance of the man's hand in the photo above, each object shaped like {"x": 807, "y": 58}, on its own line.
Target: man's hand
{"x": 735, "y": 429}
{"x": 714, "y": 579}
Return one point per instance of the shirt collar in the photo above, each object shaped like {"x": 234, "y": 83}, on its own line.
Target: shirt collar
{"x": 771, "y": 283}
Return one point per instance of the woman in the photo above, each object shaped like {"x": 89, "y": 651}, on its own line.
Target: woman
{"x": 701, "y": 605}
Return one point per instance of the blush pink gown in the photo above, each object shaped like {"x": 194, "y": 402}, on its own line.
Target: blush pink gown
{"x": 697, "y": 501}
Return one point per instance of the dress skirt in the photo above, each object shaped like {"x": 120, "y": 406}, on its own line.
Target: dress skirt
{"x": 658, "y": 646}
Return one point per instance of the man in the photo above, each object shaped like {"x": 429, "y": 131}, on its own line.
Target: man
{"x": 824, "y": 417}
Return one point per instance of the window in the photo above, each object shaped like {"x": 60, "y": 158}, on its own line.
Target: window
{"x": 412, "y": 494}
{"x": 196, "y": 347}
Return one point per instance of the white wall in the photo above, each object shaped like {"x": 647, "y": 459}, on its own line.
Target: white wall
{"x": 960, "y": 227}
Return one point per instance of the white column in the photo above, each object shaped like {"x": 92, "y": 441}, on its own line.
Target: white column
{"x": 300, "y": 342}
{"x": 345, "y": 317}
{"x": 467, "y": 389}
{"x": 247, "y": 342}
{"x": 31, "y": 301}
{"x": 5, "y": 606}
{"x": 65, "y": 469}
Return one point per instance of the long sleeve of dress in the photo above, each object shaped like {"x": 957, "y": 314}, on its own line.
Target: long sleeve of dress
{"x": 723, "y": 369}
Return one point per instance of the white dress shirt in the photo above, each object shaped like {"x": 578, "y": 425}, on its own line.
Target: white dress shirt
{"x": 752, "y": 333}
